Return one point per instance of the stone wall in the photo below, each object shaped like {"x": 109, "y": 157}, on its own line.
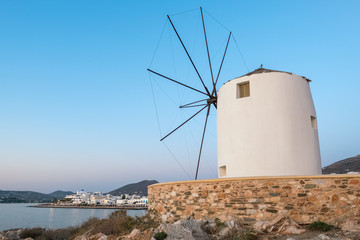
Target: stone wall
{"x": 327, "y": 198}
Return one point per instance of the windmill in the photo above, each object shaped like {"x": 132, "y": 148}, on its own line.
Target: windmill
{"x": 266, "y": 119}
{"x": 207, "y": 94}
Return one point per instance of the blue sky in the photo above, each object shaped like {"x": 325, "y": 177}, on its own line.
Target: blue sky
{"x": 76, "y": 104}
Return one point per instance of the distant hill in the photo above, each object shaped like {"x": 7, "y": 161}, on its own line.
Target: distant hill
{"x": 60, "y": 194}
{"x": 29, "y": 196}
{"x": 343, "y": 166}
{"x": 139, "y": 188}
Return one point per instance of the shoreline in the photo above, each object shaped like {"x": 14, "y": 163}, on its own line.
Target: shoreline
{"x": 90, "y": 207}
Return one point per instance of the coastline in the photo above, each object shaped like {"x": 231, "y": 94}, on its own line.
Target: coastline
{"x": 89, "y": 207}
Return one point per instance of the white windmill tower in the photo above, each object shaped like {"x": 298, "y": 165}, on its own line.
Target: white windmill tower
{"x": 266, "y": 126}
{"x": 266, "y": 120}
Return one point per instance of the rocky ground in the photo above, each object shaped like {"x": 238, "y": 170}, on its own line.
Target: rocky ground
{"x": 281, "y": 228}
{"x": 120, "y": 226}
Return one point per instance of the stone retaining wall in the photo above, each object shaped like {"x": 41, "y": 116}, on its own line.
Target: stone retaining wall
{"x": 327, "y": 198}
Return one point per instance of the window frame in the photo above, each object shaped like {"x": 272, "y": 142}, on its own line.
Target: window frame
{"x": 242, "y": 92}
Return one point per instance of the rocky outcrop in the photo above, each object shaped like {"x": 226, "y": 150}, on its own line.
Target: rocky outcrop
{"x": 136, "y": 234}
{"x": 189, "y": 229}
{"x": 280, "y": 228}
{"x": 282, "y": 225}
{"x": 185, "y": 229}
{"x": 10, "y": 234}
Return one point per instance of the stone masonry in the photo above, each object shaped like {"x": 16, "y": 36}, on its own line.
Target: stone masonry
{"x": 328, "y": 198}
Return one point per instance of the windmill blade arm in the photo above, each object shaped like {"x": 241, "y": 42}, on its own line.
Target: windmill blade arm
{"x": 188, "y": 104}
{"x": 202, "y": 141}
{"x": 222, "y": 61}
{"x": 176, "y": 81}
{"x": 215, "y": 104}
{"x": 183, "y": 123}
{"x": 197, "y": 105}
{"x": 187, "y": 53}
{"x": 207, "y": 49}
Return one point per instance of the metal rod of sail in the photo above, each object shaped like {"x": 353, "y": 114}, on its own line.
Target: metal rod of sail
{"x": 197, "y": 105}
{"x": 186, "y": 105}
{"x": 183, "y": 123}
{"x": 202, "y": 141}
{"x": 188, "y": 55}
{"x": 222, "y": 61}
{"x": 208, "y": 52}
{"x": 176, "y": 81}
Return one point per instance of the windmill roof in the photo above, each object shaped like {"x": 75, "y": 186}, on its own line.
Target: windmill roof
{"x": 265, "y": 70}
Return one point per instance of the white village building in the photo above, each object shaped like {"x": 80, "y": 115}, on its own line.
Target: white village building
{"x": 97, "y": 198}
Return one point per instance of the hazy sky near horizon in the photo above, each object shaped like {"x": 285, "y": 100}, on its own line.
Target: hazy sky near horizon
{"x": 77, "y": 107}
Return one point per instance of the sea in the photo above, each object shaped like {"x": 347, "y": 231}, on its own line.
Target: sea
{"x": 20, "y": 215}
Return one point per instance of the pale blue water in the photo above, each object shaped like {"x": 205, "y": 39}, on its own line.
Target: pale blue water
{"x": 19, "y": 215}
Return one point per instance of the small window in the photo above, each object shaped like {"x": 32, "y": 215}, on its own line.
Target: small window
{"x": 243, "y": 90}
{"x": 313, "y": 122}
{"x": 222, "y": 171}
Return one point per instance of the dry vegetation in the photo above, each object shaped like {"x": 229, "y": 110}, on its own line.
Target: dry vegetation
{"x": 118, "y": 224}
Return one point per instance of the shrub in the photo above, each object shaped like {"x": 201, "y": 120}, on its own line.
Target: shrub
{"x": 219, "y": 223}
{"x": 118, "y": 223}
{"x": 31, "y": 232}
{"x": 86, "y": 226}
{"x": 160, "y": 235}
{"x": 58, "y": 234}
{"x": 248, "y": 236}
{"x": 320, "y": 226}
{"x": 239, "y": 235}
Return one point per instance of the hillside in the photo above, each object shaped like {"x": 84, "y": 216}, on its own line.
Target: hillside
{"x": 139, "y": 188}
{"x": 60, "y": 194}
{"x": 29, "y": 196}
{"x": 351, "y": 164}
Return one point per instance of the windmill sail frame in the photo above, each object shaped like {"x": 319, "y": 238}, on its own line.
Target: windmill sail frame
{"x": 211, "y": 97}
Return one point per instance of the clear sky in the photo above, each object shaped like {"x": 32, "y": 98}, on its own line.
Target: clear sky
{"x": 76, "y": 103}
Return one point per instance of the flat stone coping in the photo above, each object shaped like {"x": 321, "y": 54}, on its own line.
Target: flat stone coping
{"x": 327, "y": 176}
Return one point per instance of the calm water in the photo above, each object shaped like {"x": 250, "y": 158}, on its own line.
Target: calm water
{"x": 19, "y": 215}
